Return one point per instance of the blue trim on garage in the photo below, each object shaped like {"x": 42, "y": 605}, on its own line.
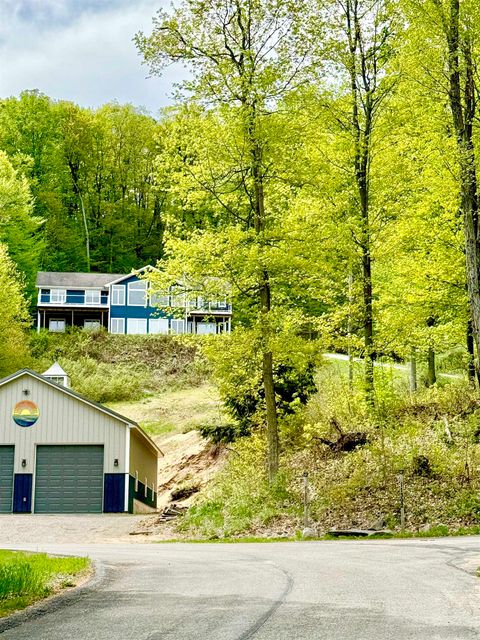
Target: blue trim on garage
{"x": 114, "y": 493}
{"x": 22, "y": 493}
{"x": 150, "y": 499}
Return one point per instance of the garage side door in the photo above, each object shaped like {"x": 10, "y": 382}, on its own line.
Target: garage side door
{"x": 69, "y": 479}
{"x": 6, "y": 478}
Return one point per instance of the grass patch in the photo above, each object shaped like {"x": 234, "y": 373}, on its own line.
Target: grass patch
{"x": 245, "y": 539}
{"x": 439, "y": 531}
{"x": 28, "y": 577}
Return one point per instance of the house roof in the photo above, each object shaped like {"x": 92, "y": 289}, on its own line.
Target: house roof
{"x": 67, "y": 279}
{"x": 135, "y": 272}
{"x": 127, "y": 421}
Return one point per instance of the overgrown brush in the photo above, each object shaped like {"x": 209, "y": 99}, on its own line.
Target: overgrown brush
{"x": 112, "y": 368}
{"x": 353, "y": 456}
{"x": 240, "y": 500}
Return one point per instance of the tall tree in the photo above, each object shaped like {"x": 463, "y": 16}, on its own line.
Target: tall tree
{"x": 449, "y": 64}
{"x": 243, "y": 53}
{"x": 19, "y": 228}
{"x": 14, "y": 318}
{"x": 364, "y": 32}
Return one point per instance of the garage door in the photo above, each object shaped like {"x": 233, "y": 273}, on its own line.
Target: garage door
{"x": 6, "y": 478}
{"x": 69, "y": 479}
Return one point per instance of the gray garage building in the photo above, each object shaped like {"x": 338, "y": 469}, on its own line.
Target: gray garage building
{"x": 63, "y": 453}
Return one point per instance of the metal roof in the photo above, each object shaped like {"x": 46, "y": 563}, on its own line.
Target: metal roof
{"x": 92, "y": 403}
{"x": 67, "y": 279}
{"x": 55, "y": 370}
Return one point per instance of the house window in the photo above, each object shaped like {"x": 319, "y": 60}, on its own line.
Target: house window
{"x": 220, "y": 304}
{"x": 56, "y": 325}
{"x": 117, "y": 325}
{"x": 206, "y": 328}
{"x": 92, "y": 325}
{"x": 136, "y": 326}
{"x": 177, "y": 326}
{"x": 92, "y": 296}
{"x": 137, "y": 293}
{"x": 178, "y": 300}
{"x": 159, "y": 300}
{"x": 118, "y": 295}
{"x": 58, "y": 380}
{"x": 158, "y": 325}
{"x": 58, "y": 296}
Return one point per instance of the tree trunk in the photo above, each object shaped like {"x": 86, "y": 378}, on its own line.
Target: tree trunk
{"x": 362, "y": 138}
{"x": 368, "y": 324}
{"x": 265, "y": 297}
{"x": 471, "y": 369}
{"x": 87, "y": 235}
{"x": 463, "y": 115}
{"x": 431, "y": 371}
{"x": 349, "y": 331}
{"x": 413, "y": 370}
{"x": 271, "y": 410}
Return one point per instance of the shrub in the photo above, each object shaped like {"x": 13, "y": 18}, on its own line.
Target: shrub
{"x": 240, "y": 498}
{"x": 108, "y": 383}
{"x": 236, "y": 367}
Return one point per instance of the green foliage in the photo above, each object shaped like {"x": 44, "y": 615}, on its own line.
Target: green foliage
{"x": 224, "y": 433}
{"x": 76, "y": 159}
{"x": 14, "y": 317}
{"x": 19, "y": 229}
{"x": 292, "y": 390}
{"x": 106, "y": 383}
{"x": 431, "y": 437}
{"x": 236, "y": 367}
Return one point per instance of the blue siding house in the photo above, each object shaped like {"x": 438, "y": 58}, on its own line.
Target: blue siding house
{"x": 121, "y": 304}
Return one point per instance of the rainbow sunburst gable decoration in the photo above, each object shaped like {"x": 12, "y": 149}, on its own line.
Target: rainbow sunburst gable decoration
{"x": 25, "y": 413}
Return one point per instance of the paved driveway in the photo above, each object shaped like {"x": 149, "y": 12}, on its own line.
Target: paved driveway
{"x": 67, "y": 529}
{"x": 375, "y": 590}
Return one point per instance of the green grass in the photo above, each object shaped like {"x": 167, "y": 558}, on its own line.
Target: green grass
{"x": 28, "y": 577}
{"x": 396, "y": 373}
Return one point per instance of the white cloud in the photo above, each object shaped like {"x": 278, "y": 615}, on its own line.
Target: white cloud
{"x": 80, "y": 51}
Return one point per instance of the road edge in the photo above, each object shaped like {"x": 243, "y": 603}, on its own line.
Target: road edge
{"x": 57, "y": 601}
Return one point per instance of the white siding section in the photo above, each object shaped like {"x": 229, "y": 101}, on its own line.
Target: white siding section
{"x": 63, "y": 420}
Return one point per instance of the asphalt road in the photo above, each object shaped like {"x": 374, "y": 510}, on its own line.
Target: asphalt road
{"x": 375, "y": 590}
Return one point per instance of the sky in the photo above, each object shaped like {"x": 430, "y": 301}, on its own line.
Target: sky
{"x": 80, "y": 50}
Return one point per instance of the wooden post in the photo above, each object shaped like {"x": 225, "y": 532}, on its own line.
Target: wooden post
{"x": 305, "y": 500}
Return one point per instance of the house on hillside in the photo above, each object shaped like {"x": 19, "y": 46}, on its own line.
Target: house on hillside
{"x": 121, "y": 303}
